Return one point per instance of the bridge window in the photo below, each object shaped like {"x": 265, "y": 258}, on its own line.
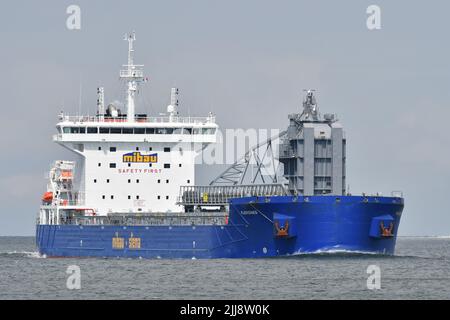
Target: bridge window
{"x": 82, "y": 130}
{"x": 92, "y": 130}
{"x": 112, "y": 149}
{"x": 166, "y": 149}
{"x": 208, "y": 130}
{"x": 127, "y": 130}
{"x": 74, "y": 129}
{"x": 187, "y": 130}
{"x": 149, "y": 130}
{"x": 164, "y": 130}
{"x": 104, "y": 130}
{"x": 116, "y": 130}
{"x": 139, "y": 130}
{"x": 112, "y": 165}
{"x": 166, "y": 165}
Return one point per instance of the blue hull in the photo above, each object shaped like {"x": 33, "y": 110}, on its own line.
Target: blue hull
{"x": 257, "y": 227}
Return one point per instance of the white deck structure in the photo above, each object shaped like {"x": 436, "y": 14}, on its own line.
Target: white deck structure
{"x": 127, "y": 163}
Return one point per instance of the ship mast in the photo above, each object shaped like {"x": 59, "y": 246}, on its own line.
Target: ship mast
{"x": 133, "y": 74}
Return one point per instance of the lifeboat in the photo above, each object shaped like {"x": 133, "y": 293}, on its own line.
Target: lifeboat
{"x": 66, "y": 174}
{"x": 47, "y": 197}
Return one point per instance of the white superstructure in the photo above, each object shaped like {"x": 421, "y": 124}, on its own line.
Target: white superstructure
{"x": 128, "y": 163}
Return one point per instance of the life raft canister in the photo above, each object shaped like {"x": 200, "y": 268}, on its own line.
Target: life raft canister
{"x": 47, "y": 197}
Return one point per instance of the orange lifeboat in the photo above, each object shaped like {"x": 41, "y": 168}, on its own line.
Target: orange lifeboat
{"x": 66, "y": 174}
{"x": 47, "y": 197}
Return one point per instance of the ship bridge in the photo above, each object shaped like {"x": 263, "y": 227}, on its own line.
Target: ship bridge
{"x": 144, "y": 129}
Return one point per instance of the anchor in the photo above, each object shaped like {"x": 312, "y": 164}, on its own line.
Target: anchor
{"x": 282, "y": 231}
{"x": 387, "y": 231}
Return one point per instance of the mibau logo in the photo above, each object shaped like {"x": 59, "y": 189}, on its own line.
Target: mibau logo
{"x": 138, "y": 157}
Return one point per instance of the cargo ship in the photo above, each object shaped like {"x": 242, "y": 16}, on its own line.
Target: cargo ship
{"x": 132, "y": 191}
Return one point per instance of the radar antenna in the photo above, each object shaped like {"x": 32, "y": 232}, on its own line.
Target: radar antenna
{"x": 310, "y": 109}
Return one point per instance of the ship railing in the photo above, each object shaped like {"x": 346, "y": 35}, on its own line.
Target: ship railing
{"x": 65, "y": 203}
{"x": 185, "y": 219}
{"x": 136, "y": 73}
{"x": 139, "y": 119}
{"x": 397, "y": 194}
{"x": 76, "y": 199}
{"x": 220, "y": 195}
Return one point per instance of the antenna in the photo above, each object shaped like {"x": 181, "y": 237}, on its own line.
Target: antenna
{"x": 133, "y": 74}
{"x": 79, "y": 98}
{"x": 310, "y": 109}
{"x": 174, "y": 97}
{"x": 100, "y": 102}
{"x": 130, "y": 38}
{"x": 172, "y": 108}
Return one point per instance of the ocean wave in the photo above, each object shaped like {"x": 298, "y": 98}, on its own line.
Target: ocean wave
{"x": 336, "y": 252}
{"x": 424, "y": 237}
{"x": 23, "y": 254}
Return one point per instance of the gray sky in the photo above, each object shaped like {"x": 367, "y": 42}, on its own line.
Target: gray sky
{"x": 247, "y": 61}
